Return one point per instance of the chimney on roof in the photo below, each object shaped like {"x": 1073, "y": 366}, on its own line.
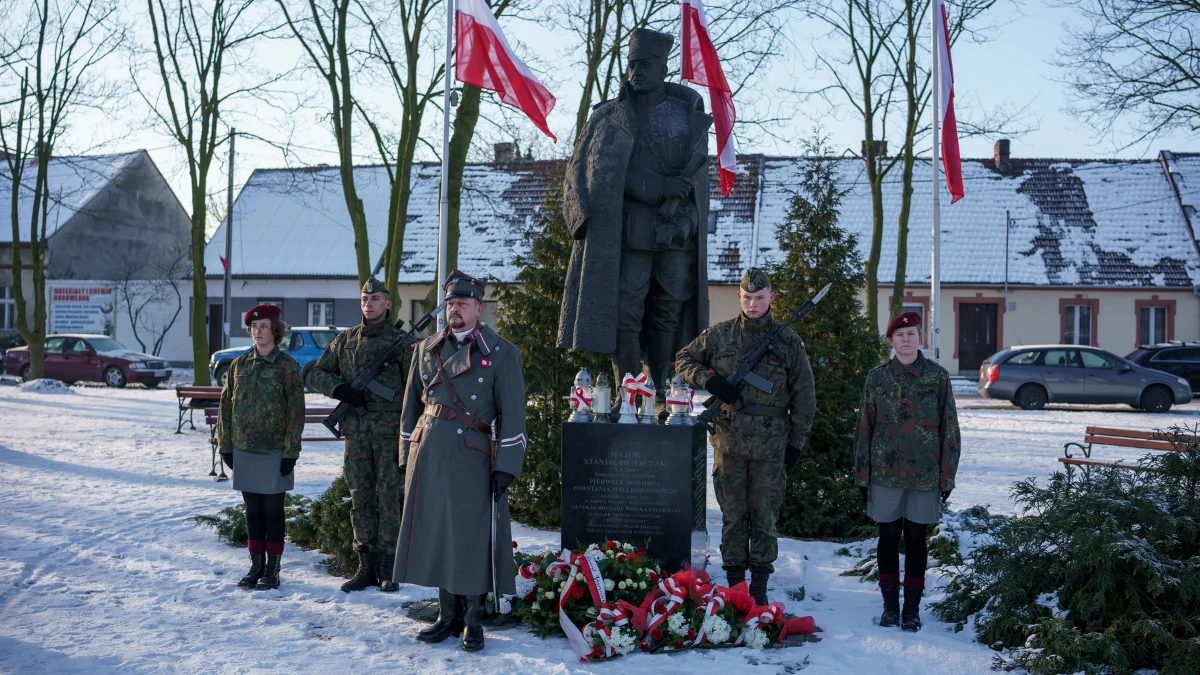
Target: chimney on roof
{"x": 505, "y": 152}
{"x": 880, "y": 148}
{"x": 1000, "y": 155}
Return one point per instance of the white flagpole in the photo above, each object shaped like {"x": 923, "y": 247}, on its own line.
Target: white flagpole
{"x": 936, "y": 272}
{"x": 444, "y": 204}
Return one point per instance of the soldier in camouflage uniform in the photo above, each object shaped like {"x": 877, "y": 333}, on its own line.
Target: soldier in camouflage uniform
{"x": 259, "y": 425}
{"x": 906, "y": 448}
{"x": 756, "y": 446}
{"x": 371, "y": 463}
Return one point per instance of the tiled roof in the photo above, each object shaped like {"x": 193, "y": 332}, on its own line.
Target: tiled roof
{"x": 1073, "y": 222}
{"x": 72, "y": 181}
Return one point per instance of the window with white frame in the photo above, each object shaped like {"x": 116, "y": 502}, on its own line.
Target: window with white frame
{"x": 320, "y": 312}
{"x": 8, "y": 308}
{"x": 1077, "y": 324}
{"x": 1152, "y": 324}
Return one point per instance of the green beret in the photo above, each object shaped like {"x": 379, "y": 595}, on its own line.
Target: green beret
{"x": 755, "y": 280}
{"x": 374, "y": 285}
{"x": 461, "y": 285}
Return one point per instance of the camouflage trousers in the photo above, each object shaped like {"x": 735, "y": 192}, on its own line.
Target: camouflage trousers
{"x": 750, "y": 493}
{"x": 376, "y": 493}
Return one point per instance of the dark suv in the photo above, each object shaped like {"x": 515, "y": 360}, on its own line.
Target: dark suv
{"x": 1181, "y": 359}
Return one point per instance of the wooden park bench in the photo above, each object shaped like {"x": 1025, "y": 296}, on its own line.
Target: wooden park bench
{"x": 1124, "y": 438}
{"x": 311, "y": 416}
{"x": 192, "y": 398}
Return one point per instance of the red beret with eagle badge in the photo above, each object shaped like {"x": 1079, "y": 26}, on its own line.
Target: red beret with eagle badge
{"x": 261, "y": 312}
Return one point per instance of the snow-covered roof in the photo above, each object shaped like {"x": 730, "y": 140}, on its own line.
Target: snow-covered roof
{"x": 72, "y": 181}
{"x": 1073, "y": 222}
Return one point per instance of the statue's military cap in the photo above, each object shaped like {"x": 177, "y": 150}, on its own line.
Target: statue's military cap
{"x": 755, "y": 280}
{"x": 649, "y": 44}
{"x": 374, "y": 285}
{"x": 462, "y": 285}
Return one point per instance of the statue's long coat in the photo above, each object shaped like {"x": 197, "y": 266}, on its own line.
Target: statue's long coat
{"x": 594, "y": 191}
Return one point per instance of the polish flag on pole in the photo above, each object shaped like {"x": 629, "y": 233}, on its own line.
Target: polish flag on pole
{"x": 945, "y": 100}
{"x": 484, "y": 59}
{"x": 702, "y": 66}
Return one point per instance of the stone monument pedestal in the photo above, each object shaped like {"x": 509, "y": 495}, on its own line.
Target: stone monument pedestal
{"x": 643, "y": 484}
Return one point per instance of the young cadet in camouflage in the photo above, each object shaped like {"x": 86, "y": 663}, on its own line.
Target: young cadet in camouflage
{"x": 370, "y": 465}
{"x": 755, "y": 447}
{"x": 906, "y": 448}
{"x": 259, "y": 423}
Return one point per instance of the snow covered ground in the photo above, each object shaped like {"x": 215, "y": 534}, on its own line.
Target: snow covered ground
{"x": 99, "y": 573}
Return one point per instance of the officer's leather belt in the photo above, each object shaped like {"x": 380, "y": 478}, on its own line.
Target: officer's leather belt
{"x": 447, "y": 413}
{"x": 755, "y": 409}
{"x": 388, "y": 406}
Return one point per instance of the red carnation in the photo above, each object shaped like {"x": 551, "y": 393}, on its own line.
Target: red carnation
{"x": 611, "y": 545}
{"x": 621, "y": 557}
{"x": 653, "y": 578}
{"x": 691, "y": 634}
{"x": 656, "y": 634}
{"x": 576, "y": 592}
{"x": 514, "y": 543}
{"x": 640, "y": 551}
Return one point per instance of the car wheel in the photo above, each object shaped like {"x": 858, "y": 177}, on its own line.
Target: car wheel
{"x": 1031, "y": 397}
{"x": 221, "y": 374}
{"x": 25, "y": 373}
{"x": 1157, "y": 399}
{"x": 114, "y": 377}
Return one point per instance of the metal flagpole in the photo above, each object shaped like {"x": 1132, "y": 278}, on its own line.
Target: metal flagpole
{"x": 444, "y": 204}
{"x": 936, "y": 273}
{"x": 227, "y": 303}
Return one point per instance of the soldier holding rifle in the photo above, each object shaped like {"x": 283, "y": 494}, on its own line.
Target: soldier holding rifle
{"x": 760, "y": 430}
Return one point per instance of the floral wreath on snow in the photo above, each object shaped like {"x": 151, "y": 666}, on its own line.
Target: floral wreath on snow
{"x": 613, "y": 598}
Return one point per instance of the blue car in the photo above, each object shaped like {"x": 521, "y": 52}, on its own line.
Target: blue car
{"x": 303, "y": 343}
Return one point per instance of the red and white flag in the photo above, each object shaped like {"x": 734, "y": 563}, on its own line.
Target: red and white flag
{"x": 484, "y": 59}
{"x": 702, "y": 66}
{"x": 951, "y": 159}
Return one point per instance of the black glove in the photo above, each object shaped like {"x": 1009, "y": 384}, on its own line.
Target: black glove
{"x": 500, "y": 483}
{"x": 791, "y": 457}
{"x": 348, "y": 395}
{"x": 227, "y": 457}
{"x": 719, "y": 386}
{"x": 286, "y": 465}
{"x": 946, "y": 495}
{"x": 864, "y": 491}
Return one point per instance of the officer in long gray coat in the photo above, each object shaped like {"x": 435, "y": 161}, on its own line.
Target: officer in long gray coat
{"x": 462, "y": 441}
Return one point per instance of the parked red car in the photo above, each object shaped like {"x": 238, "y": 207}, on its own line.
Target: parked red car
{"x": 91, "y": 358}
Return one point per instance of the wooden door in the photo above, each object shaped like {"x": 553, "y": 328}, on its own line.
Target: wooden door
{"x": 976, "y": 334}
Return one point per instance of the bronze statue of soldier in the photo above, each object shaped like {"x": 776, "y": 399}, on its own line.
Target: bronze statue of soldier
{"x": 636, "y": 202}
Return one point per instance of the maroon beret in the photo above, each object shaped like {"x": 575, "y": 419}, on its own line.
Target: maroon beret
{"x": 903, "y": 320}
{"x": 261, "y": 312}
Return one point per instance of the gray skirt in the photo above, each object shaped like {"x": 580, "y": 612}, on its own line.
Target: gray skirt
{"x": 258, "y": 471}
{"x": 887, "y": 504}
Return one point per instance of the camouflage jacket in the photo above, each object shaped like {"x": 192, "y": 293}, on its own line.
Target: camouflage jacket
{"x": 907, "y": 432}
{"x": 760, "y": 437}
{"x": 345, "y": 360}
{"x": 262, "y": 404}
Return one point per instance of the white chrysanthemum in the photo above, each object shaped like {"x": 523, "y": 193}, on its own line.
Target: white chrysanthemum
{"x": 595, "y": 554}
{"x": 549, "y": 595}
{"x": 524, "y": 586}
{"x": 609, "y": 584}
{"x": 505, "y": 605}
{"x": 677, "y": 624}
{"x": 591, "y": 611}
{"x": 623, "y": 640}
{"x": 628, "y": 548}
{"x": 757, "y": 639}
{"x": 593, "y": 547}
{"x": 622, "y": 585}
{"x": 642, "y": 585}
{"x": 717, "y": 629}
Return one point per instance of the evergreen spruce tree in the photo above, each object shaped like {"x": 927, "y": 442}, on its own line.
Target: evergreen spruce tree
{"x": 528, "y": 315}
{"x": 822, "y": 500}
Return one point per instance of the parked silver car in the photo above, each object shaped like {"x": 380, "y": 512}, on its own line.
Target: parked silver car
{"x": 1034, "y": 375}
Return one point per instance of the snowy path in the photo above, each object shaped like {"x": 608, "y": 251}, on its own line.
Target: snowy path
{"x": 99, "y": 573}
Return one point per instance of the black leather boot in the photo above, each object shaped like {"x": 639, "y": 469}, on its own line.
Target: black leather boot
{"x": 891, "y": 606}
{"x": 365, "y": 578}
{"x": 450, "y": 618}
{"x": 758, "y": 585}
{"x": 258, "y": 563}
{"x": 384, "y": 573}
{"x": 910, "y": 619}
{"x": 735, "y": 575}
{"x": 472, "y": 635}
{"x": 270, "y": 578}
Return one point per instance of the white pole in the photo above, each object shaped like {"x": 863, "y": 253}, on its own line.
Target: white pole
{"x": 936, "y": 272}
{"x": 227, "y": 299}
{"x": 444, "y": 204}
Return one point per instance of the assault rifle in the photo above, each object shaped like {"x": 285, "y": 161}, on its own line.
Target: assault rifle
{"x": 764, "y": 344}
{"x": 366, "y": 379}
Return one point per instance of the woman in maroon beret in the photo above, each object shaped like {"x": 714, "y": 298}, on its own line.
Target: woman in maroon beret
{"x": 259, "y": 427}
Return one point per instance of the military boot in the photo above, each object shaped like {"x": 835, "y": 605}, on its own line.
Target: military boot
{"x": 891, "y": 606}
{"x": 758, "y": 585}
{"x": 735, "y": 575}
{"x": 270, "y": 578}
{"x": 386, "y": 563}
{"x": 258, "y": 563}
{"x": 910, "y": 618}
{"x": 365, "y": 578}
{"x": 450, "y": 618}
{"x": 472, "y": 635}
{"x": 627, "y": 359}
